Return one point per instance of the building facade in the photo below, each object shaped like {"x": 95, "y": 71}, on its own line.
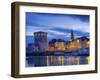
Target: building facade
{"x": 40, "y": 39}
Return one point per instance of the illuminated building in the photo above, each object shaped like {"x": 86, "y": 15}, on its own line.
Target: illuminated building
{"x": 71, "y": 46}
{"x": 84, "y": 42}
{"x": 40, "y": 39}
{"x": 88, "y": 44}
{"x": 57, "y": 45}
{"x": 58, "y": 51}
{"x": 60, "y": 45}
{"x": 51, "y": 48}
{"x": 74, "y": 44}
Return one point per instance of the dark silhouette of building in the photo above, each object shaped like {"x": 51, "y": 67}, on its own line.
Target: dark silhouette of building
{"x": 40, "y": 39}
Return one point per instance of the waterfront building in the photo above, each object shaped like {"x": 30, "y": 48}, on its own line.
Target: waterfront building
{"x": 51, "y": 48}
{"x": 57, "y": 45}
{"x": 83, "y": 42}
{"x": 65, "y": 51}
{"x": 74, "y": 44}
{"x": 35, "y": 48}
{"x": 60, "y": 45}
{"x": 40, "y": 38}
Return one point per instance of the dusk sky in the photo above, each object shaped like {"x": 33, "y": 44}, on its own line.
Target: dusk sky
{"x": 57, "y": 26}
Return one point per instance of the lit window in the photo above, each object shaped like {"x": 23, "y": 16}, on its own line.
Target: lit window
{"x": 78, "y": 41}
{"x": 88, "y": 42}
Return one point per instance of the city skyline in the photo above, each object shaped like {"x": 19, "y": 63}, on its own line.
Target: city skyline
{"x": 57, "y": 51}
{"x": 56, "y": 25}
{"x": 57, "y": 39}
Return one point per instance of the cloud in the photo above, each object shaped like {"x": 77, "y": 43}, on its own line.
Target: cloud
{"x": 57, "y": 25}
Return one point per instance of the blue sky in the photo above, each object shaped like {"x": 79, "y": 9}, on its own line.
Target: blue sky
{"x": 57, "y": 25}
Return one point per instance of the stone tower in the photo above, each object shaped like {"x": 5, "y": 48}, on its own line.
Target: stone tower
{"x": 40, "y": 39}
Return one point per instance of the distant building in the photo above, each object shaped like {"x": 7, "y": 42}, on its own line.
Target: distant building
{"x": 82, "y": 42}
{"x": 40, "y": 38}
{"x": 72, "y": 45}
{"x": 60, "y": 45}
{"x": 51, "y": 45}
{"x": 51, "y": 48}
{"x": 57, "y": 45}
{"x": 41, "y": 44}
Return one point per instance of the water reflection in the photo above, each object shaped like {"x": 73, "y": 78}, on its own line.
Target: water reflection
{"x": 36, "y": 61}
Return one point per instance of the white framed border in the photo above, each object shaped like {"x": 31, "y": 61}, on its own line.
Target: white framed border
{"x": 54, "y": 69}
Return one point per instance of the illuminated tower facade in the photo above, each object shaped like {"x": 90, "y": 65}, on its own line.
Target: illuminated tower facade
{"x": 72, "y": 36}
{"x": 40, "y": 39}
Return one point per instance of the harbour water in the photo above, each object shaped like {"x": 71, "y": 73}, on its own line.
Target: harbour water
{"x": 36, "y": 61}
{"x": 74, "y": 58}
